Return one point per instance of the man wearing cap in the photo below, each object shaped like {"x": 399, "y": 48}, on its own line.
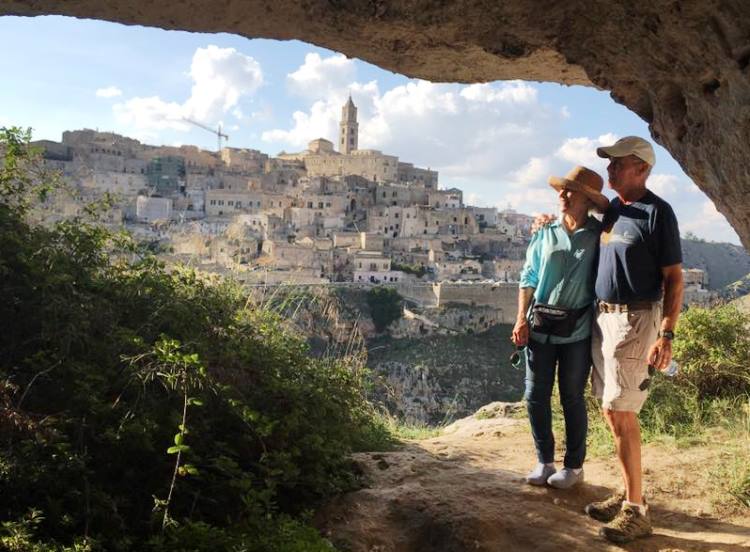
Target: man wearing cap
{"x": 639, "y": 289}
{"x": 559, "y": 276}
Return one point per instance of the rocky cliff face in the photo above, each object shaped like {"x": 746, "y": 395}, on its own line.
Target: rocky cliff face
{"x": 725, "y": 263}
{"x": 683, "y": 67}
{"x": 440, "y": 378}
{"x": 429, "y": 374}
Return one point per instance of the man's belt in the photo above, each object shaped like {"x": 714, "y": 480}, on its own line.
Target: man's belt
{"x": 603, "y": 306}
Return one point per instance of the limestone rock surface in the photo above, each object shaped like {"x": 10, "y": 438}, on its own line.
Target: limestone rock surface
{"x": 682, "y": 66}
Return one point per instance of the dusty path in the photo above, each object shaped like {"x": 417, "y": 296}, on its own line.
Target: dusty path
{"x": 463, "y": 491}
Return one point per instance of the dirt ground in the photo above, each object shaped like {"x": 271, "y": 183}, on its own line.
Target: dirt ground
{"x": 464, "y": 491}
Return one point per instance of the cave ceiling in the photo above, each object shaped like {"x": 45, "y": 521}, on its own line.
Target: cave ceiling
{"x": 682, "y": 66}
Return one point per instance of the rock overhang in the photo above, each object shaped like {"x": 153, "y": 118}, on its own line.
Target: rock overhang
{"x": 682, "y": 66}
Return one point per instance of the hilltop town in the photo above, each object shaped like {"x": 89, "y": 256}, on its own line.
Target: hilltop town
{"x": 319, "y": 215}
{"x": 331, "y": 213}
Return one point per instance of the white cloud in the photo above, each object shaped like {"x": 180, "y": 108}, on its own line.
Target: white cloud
{"x": 709, "y": 210}
{"x": 512, "y": 92}
{"x": 150, "y": 114}
{"x": 108, "y": 92}
{"x": 321, "y": 121}
{"x": 536, "y": 170}
{"x": 663, "y": 185}
{"x": 705, "y": 221}
{"x": 582, "y": 151}
{"x": 319, "y": 78}
{"x": 463, "y": 131}
{"x": 221, "y": 77}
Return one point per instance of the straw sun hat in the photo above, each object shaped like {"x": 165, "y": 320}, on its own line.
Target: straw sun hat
{"x": 586, "y": 181}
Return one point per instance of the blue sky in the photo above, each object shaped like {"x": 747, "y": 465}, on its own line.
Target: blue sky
{"x": 498, "y": 142}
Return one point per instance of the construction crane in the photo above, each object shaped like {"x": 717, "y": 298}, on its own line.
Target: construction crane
{"x": 217, "y": 131}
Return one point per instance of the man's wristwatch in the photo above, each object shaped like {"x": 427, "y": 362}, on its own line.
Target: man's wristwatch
{"x": 666, "y": 334}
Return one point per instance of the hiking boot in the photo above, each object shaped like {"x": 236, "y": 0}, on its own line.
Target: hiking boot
{"x": 627, "y": 526}
{"x": 606, "y": 510}
{"x": 565, "y": 478}
{"x": 540, "y": 474}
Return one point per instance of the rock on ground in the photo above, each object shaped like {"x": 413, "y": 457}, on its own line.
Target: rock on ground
{"x": 464, "y": 491}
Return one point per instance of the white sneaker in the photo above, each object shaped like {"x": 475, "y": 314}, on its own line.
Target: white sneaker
{"x": 540, "y": 474}
{"x": 565, "y": 478}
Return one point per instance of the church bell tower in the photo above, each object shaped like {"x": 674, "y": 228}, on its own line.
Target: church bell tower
{"x": 349, "y": 128}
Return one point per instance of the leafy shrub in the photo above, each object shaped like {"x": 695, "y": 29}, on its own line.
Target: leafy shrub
{"x": 416, "y": 270}
{"x": 713, "y": 350}
{"x": 385, "y": 306}
{"x": 141, "y": 406}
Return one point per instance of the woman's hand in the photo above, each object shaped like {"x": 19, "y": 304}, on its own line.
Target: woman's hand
{"x": 520, "y": 335}
{"x": 541, "y": 221}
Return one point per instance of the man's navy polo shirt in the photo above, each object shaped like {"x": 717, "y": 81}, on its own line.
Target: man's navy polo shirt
{"x": 637, "y": 241}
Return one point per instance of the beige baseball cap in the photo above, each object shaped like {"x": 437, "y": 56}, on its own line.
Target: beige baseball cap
{"x": 630, "y": 145}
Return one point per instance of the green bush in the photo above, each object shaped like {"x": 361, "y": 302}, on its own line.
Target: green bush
{"x": 713, "y": 350}
{"x": 138, "y": 404}
{"x": 416, "y": 270}
{"x": 713, "y": 384}
{"x": 385, "y": 306}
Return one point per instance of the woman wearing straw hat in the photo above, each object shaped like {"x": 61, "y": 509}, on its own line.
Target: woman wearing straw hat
{"x": 555, "y": 309}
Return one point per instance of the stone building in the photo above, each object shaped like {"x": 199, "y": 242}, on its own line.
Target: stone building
{"x": 374, "y": 267}
{"x": 166, "y": 175}
{"x": 153, "y": 209}
{"x": 245, "y": 161}
{"x": 409, "y": 174}
{"x": 442, "y": 199}
{"x": 229, "y": 202}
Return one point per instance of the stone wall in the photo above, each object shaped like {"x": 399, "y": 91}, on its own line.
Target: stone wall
{"x": 501, "y": 296}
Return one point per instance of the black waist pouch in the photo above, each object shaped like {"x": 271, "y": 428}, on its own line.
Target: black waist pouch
{"x": 552, "y": 320}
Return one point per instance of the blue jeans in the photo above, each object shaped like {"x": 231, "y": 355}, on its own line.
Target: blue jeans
{"x": 573, "y": 362}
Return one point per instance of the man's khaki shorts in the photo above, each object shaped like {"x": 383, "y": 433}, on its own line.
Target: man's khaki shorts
{"x": 619, "y": 344}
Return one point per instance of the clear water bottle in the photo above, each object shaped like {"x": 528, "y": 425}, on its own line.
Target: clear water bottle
{"x": 672, "y": 370}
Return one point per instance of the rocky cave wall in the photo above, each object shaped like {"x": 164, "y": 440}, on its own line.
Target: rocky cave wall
{"x": 682, "y": 66}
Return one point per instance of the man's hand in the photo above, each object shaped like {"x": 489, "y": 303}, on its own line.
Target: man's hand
{"x": 540, "y": 221}
{"x": 660, "y": 354}
{"x": 520, "y": 335}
